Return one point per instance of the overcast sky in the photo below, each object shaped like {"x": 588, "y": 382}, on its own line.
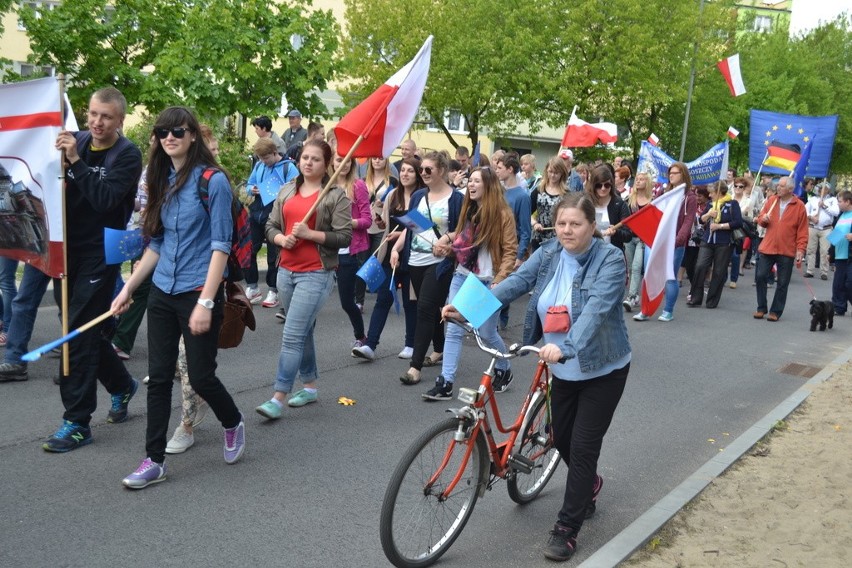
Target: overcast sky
{"x": 808, "y": 14}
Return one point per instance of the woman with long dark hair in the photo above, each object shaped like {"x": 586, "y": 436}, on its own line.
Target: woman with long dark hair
{"x": 430, "y": 272}
{"x": 397, "y": 204}
{"x": 610, "y": 209}
{"x": 306, "y": 267}
{"x": 485, "y": 244}
{"x": 190, "y": 243}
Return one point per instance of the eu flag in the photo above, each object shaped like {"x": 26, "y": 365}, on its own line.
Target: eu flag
{"x": 120, "y": 246}
{"x": 769, "y": 127}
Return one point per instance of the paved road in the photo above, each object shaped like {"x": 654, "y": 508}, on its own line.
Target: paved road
{"x": 309, "y": 490}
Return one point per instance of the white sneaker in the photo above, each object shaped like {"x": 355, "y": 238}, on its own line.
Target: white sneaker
{"x": 271, "y": 300}
{"x": 253, "y": 294}
{"x": 181, "y": 441}
{"x": 640, "y": 317}
{"x": 666, "y": 316}
{"x": 364, "y": 352}
{"x": 406, "y": 353}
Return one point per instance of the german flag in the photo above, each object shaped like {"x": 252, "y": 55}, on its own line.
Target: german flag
{"x": 784, "y": 156}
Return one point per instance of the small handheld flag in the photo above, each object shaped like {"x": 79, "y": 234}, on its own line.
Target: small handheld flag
{"x": 415, "y": 221}
{"x": 475, "y": 301}
{"x": 733, "y": 132}
{"x": 730, "y": 69}
{"x": 120, "y": 246}
{"x": 372, "y": 273}
{"x": 838, "y": 234}
{"x": 653, "y": 139}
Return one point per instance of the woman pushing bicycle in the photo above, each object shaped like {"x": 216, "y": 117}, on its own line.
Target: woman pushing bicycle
{"x": 577, "y": 282}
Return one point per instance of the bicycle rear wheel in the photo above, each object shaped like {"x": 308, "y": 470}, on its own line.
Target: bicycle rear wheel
{"x": 537, "y": 446}
{"x": 417, "y": 526}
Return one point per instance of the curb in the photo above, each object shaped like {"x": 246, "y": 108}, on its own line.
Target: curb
{"x": 640, "y": 531}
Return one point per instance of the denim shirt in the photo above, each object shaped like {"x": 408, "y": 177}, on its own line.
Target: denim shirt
{"x": 191, "y": 234}
{"x": 598, "y": 335}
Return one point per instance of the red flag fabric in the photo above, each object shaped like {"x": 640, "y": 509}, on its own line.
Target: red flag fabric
{"x": 656, "y": 225}
{"x": 384, "y": 117}
{"x": 653, "y": 139}
{"x": 581, "y": 134}
{"x": 733, "y": 132}
{"x": 30, "y": 174}
{"x": 730, "y": 69}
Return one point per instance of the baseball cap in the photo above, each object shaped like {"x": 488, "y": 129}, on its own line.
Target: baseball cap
{"x": 566, "y": 153}
{"x": 294, "y": 114}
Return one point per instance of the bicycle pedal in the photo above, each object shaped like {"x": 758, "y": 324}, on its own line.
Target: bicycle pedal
{"x": 521, "y": 463}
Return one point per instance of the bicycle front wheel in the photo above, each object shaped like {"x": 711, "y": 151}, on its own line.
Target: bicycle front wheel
{"x": 418, "y": 523}
{"x": 537, "y": 446}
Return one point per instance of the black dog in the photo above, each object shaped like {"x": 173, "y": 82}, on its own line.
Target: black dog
{"x": 822, "y": 313}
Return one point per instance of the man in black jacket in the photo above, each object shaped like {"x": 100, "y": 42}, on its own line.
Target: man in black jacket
{"x": 102, "y": 172}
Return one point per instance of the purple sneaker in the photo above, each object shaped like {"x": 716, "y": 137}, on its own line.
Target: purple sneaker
{"x": 147, "y": 473}
{"x": 235, "y": 442}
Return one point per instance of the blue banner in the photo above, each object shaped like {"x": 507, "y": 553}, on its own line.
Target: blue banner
{"x": 707, "y": 168}
{"x": 767, "y": 127}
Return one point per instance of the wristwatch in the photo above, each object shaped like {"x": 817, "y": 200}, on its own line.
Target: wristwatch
{"x": 206, "y": 303}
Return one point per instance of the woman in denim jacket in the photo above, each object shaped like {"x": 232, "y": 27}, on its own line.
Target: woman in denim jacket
{"x": 589, "y": 362}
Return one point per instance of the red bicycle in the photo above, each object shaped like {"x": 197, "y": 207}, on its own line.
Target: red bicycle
{"x": 434, "y": 488}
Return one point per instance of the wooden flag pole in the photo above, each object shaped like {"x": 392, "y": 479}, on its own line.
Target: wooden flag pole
{"x": 760, "y": 169}
{"x": 333, "y": 178}
{"x": 66, "y": 358}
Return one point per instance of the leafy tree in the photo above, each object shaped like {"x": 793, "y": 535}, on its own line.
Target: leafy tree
{"x": 218, "y": 56}
{"x": 240, "y": 55}
{"x": 475, "y": 55}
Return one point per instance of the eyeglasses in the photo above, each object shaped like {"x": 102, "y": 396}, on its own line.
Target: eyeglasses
{"x": 605, "y": 185}
{"x": 427, "y": 170}
{"x": 177, "y": 132}
{"x": 739, "y": 186}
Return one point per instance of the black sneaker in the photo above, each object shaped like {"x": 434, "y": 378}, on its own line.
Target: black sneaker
{"x": 501, "y": 380}
{"x": 561, "y": 544}
{"x": 281, "y": 315}
{"x": 596, "y": 490}
{"x": 118, "y": 412}
{"x": 13, "y": 372}
{"x": 70, "y": 436}
{"x": 442, "y": 390}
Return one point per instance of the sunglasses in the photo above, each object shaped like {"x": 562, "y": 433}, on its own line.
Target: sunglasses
{"x": 739, "y": 186}
{"x": 674, "y": 172}
{"x": 177, "y": 132}
{"x": 427, "y": 170}
{"x": 604, "y": 185}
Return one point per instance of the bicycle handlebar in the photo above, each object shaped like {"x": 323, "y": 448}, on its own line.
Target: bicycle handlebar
{"x": 515, "y": 350}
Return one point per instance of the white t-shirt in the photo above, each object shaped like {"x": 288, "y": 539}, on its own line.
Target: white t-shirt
{"x": 421, "y": 243}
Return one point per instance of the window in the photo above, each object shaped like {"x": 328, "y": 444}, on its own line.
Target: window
{"x": 454, "y": 121}
{"x": 28, "y": 70}
{"x": 37, "y": 7}
{"x": 762, "y": 23}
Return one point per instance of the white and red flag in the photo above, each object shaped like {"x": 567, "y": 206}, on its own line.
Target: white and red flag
{"x": 730, "y": 69}
{"x": 656, "y": 225}
{"x": 654, "y": 139}
{"x": 581, "y": 134}
{"x": 733, "y": 132}
{"x": 30, "y": 174}
{"x": 384, "y": 117}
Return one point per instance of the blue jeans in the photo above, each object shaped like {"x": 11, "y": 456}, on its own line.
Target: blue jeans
{"x": 8, "y": 267}
{"x": 24, "y": 311}
{"x": 302, "y": 295}
{"x": 384, "y": 301}
{"x": 784, "y": 270}
{"x": 841, "y": 286}
{"x": 347, "y": 267}
{"x": 455, "y": 334}
{"x": 635, "y": 255}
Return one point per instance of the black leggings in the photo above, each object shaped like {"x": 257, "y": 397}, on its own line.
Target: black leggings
{"x": 432, "y": 294}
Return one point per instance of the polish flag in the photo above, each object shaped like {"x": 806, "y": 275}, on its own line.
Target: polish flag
{"x": 656, "y": 226}
{"x": 730, "y": 69}
{"x": 384, "y": 117}
{"x": 733, "y": 132}
{"x": 581, "y": 134}
{"x": 653, "y": 139}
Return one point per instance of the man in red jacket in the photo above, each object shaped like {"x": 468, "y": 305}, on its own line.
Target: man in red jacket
{"x": 785, "y": 242}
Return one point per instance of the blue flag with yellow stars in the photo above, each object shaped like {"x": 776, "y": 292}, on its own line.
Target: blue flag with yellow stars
{"x": 120, "y": 246}
{"x": 773, "y": 128}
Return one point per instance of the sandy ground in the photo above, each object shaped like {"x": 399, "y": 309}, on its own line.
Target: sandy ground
{"x": 786, "y": 503}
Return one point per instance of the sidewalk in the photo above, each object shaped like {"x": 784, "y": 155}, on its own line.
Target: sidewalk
{"x": 786, "y": 502}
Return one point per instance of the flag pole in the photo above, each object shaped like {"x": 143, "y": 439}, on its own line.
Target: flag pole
{"x": 66, "y": 358}
{"x": 691, "y": 87}
{"x": 760, "y": 169}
